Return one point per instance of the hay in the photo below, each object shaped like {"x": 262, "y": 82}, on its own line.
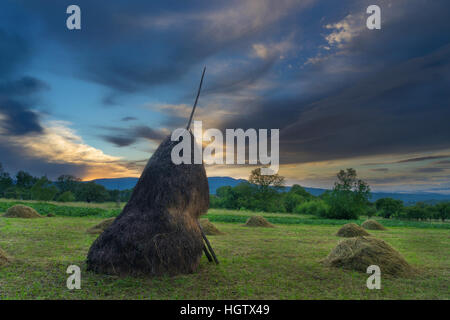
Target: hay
{"x": 21, "y": 211}
{"x": 209, "y": 228}
{"x": 258, "y": 221}
{"x": 360, "y": 252}
{"x": 99, "y": 228}
{"x": 157, "y": 231}
{"x": 3, "y": 258}
{"x": 351, "y": 230}
{"x": 372, "y": 225}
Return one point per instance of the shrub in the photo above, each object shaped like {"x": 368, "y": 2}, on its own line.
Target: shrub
{"x": 66, "y": 197}
{"x": 315, "y": 207}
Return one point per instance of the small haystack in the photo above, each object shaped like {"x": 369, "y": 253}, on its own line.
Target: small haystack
{"x": 372, "y": 225}
{"x": 351, "y": 230}
{"x": 258, "y": 221}
{"x": 99, "y": 228}
{"x": 21, "y": 211}
{"x": 3, "y": 258}
{"x": 360, "y": 252}
{"x": 208, "y": 228}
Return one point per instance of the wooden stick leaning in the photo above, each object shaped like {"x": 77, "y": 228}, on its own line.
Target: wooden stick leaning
{"x": 208, "y": 245}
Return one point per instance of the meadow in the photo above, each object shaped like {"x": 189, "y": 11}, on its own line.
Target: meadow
{"x": 255, "y": 263}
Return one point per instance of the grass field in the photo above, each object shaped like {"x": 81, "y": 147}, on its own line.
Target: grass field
{"x": 278, "y": 263}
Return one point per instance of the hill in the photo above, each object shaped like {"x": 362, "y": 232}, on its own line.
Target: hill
{"x": 217, "y": 182}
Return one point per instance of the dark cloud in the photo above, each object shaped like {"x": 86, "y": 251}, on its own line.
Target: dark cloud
{"x": 379, "y": 95}
{"x": 17, "y": 94}
{"x": 380, "y": 170}
{"x": 418, "y": 159}
{"x": 126, "y": 137}
{"x": 429, "y": 170}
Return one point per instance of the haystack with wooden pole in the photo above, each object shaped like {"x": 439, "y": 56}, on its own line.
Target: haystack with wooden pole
{"x": 158, "y": 231}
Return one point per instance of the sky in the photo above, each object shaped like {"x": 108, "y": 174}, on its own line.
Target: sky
{"x": 96, "y": 102}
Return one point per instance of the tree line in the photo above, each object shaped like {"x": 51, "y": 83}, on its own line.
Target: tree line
{"x": 349, "y": 199}
{"x": 66, "y": 188}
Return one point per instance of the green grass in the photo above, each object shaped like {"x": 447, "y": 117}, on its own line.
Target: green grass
{"x": 255, "y": 263}
{"x": 109, "y": 209}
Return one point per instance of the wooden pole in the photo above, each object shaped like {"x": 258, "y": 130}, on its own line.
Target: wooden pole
{"x": 208, "y": 244}
{"x": 196, "y": 99}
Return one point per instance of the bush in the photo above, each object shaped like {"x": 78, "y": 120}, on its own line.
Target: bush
{"x": 292, "y": 200}
{"x": 66, "y": 197}
{"x": 316, "y": 208}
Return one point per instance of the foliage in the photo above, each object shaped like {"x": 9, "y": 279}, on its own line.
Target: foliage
{"x": 91, "y": 192}
{"x": 43, "y": 189}
{"x": 316, "y": 208}
{"x": 388, "y": 207}
{"x": 67, "y": 196}
{"x": 349, "y": 197}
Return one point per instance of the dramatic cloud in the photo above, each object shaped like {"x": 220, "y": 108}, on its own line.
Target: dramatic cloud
{"x": 125, "y": 137}
{"x": 56, "y": 150}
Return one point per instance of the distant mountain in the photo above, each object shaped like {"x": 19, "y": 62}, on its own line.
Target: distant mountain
{"x": 217, "y": 182}
{"x": 129, "y": 183}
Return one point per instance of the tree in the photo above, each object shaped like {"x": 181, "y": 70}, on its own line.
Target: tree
{"x": 268, "y": 197}
{"x": 44, "y": 190}
{"x": 265, "y": 182}
{"x": 442, "y": 211}
{"x": 67, "y": 196}
{"x": 67, "y": 182}
{"x": 25, "y": 180}
{"x": 349, "y": 197}
{"x": 6, "y": 181}
{"x": 299, "y": 190}
{"x": 292, "y": 200}
{"x": 91, "y": 192}
{"x": 389, "y": 207}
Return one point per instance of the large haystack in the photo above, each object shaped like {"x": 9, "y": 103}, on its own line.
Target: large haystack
{"x": 351, "y": 230}
{"x": 258, "y": 221}
{"x": 21, "y": 211}
{"x": 99, "y": 228}
{"x": 3, "y": 258}
{"x": 360, "y": 252}
{"x": 157, "y": 231}
{"x": 209, "y": 228}
{"x": 372, "y": 225}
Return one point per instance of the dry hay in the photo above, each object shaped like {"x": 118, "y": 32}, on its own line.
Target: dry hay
{"x": 21, "y": 211}
{"x": 3, "y": 258}
{"x": 258, "y": 221}
{"x": 99, "y": 228}
{"x": 208, "y": 228}
{"x": 360, "y": 252}
{"x": 351, "y": 230}
{"x": 157, "y": 231}
{"x": 372, "y": 225}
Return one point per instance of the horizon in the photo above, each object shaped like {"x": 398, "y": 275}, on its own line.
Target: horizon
{"x": 95, "y": 103}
